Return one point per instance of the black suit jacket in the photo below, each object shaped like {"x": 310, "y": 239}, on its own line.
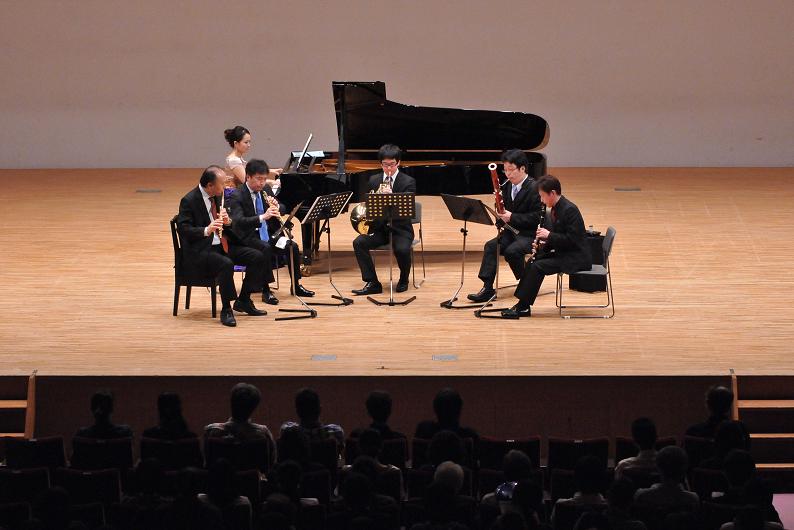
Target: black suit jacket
{"x": 245, "y": 221}
{"x": 193, "y": 218}
{"x": 567, "y": 238}
{"x": 402, "y": 183}
{"x": 526, "y": 207}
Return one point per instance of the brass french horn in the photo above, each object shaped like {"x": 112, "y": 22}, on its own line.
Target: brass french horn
{"x": 358, "y": 215}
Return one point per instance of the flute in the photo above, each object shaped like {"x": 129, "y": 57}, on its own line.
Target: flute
{"x": 223, "y": 201}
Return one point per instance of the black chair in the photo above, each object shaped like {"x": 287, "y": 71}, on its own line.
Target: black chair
{"x": 707, "y": 481}
{"x": 35, "y": 452}
{"x": 189, "y": 281}
{"x": 565, "y": 452}
{"x": 420, "y": 453}
{"x": 626, "y": 448}
{"x": 86, "y": 487}
{"x": 566, "y": 515}
{"x": 99, "y": 453}
{"x": 23, "y": 485}
{"x": 15, "y": 514}
{"x": 250, "y": 454}
{"x": 317, "y": 484}
{"x": 561, "y": 484}
{"x": 492, "y": 451}
{"x": 393, "y": 452}
{"x": 173, "y": 454}
{"x": 326, "y": 453}
{"x": 602, "y": 271}
{"x": 698, "y": 449}
{"x": 168, "y": 487}
{"x": 311, "y": 517}
{"x": 248, "y": 485}
{"x": 642, "y": 478}
{"x": 92, "y": 514}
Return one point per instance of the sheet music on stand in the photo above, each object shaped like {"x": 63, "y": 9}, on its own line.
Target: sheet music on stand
{"x": 325, "y": 208}
{"x": 388, "y": 207}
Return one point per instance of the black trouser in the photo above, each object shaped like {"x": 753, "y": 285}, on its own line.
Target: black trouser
{"x": 513, "y": 248}
{"x": 256, "y": 262}
{"x": 532, "y": 279}
{"x": 218, "y": 264}
{"x": 402, "y": 251}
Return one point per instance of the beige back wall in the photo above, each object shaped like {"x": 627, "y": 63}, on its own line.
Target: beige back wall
{"x": 622, "y": 83}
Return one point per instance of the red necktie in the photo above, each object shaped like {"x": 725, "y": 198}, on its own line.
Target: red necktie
{"x": 214, "y": 212}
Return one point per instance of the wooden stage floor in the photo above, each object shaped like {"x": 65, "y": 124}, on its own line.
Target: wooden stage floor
{"x": 701, "y": 263}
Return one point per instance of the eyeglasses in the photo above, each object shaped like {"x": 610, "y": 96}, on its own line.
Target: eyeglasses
{"x": 389, "y": 164}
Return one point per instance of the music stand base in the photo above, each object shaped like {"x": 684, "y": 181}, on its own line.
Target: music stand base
{"x": 307, "y": 313}
{"x": 479, "y": 313}
{"x": 342, "y": 302}
{"x": 449, "y": 304}
{"x": 391, "y": 302}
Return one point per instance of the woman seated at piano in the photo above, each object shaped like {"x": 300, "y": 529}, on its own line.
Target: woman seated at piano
{"x": 239, "y": 139}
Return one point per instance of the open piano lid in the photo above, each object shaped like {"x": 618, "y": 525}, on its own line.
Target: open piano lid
{"x": 365, "y": 120}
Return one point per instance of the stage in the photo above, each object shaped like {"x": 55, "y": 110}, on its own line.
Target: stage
{"x": 701, "y": 276}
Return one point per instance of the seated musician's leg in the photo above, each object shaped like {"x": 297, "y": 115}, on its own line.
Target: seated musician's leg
{"x": 362, "y": 246}
{"x": 487, "y": 273}
{"x": 293, "y": 247}
{"x": 529, "y": 286}
{"x": 402, "y": 253}
{"x": 515, "y": 253}
{"x": 307, "y": 236}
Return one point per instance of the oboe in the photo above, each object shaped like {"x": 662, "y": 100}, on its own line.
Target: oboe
{"x": 536, "y": 244}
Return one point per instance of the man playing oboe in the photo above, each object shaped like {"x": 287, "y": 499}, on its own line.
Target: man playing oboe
{"x": 564, "y": 246}
{"x": 522, "y": 212}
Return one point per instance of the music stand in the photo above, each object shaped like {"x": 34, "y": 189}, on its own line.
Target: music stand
{"x": 325, "y": 208}
{"x": 390, "y": 206}
{"x": 308, "y": 312}
{"x": 464, "y": 209}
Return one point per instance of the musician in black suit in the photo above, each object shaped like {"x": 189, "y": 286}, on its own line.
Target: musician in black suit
{"x": 256, "y": 223}
{"x": 402, "y": 229}
{"x": 199, "y": 220}
{"x": 522, "y": 212}
{"x": 565, "y": 248}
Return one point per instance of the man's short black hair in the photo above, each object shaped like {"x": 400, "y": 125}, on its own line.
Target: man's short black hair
{"x": 719, "y": 400}
{"x": 643, "y": 431}
{"x": 389, "y": 151}
{"x": 256, "y": 166}
{"x": 589, "y": 474}
{"x": 516, "y": 465}
{"x": 549, "y": 183}
{"x": 448, "y": 405}
{"x": 307, "y": 404}
{"x": 379, "y": 406}
{"x": 209, "y": 175}
{"x": 672, "y": 462}
{"x": 245, "y": 398}
{"x": 102, "y": 402}
{"x": 517, "y": 157}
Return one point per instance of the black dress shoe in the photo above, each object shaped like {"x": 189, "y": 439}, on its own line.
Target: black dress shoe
{"x": 484, "y": 295}
{"x": 302, "y": 291}
{"x": 227, "y": 317}
{"x": 247, "y": 306}
{"x": 369, "y": 288}
{"x": 517, "y": 311}
{"x": 401, "y": 287}
{"x": 269, "y": 298}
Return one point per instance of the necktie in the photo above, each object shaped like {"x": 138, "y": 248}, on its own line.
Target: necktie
{"x": 214, "y": 212}
{"x": 263, "y": 235}
{"x": 514, "y": 192}
{"x": 388, "y": 181}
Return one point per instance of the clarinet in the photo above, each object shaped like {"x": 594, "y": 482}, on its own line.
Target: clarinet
{"x": 536, "y": 244}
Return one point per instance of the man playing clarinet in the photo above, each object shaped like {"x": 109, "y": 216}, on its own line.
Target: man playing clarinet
{"x": 522, "y": 212}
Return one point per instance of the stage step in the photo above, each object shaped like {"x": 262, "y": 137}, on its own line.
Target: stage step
{"x": 779, "y": 475}
{"x": 772, "y": 447}
{"x": 765, "y": 386}
{"x": 767, "y": 416}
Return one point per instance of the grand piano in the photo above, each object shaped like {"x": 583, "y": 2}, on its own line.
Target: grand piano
{"x": 445, "y": 150}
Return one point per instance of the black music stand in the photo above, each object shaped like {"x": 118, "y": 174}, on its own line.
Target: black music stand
{"x": 390, "y": 206}
{"x": 464, "y": 209}
{"x": 308, "y": 312}
{"x": 325, "y": 208}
